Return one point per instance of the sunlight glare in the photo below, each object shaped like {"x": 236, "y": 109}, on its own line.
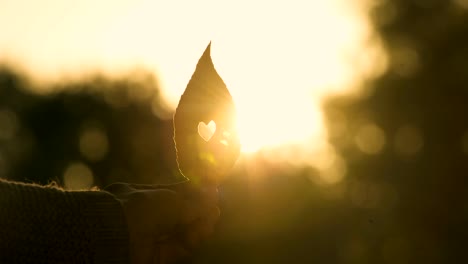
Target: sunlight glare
{"x": 279, "y": 59}
{"x": 279, "y": 119}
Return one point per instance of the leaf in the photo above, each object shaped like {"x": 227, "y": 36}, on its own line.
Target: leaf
{"x": 206, "y": 100}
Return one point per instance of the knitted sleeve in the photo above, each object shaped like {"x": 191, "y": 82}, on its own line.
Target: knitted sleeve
{"x": 48, "y": 225}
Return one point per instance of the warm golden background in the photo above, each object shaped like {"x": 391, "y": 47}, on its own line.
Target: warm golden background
{"x": 352, "y": 116}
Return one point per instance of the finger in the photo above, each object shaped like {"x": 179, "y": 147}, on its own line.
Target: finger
{"x": 197, "y": 195}
{"x": 171, "y": 186}
{"x": 119, "y": 188}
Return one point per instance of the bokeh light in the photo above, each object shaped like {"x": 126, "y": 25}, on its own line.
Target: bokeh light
{"x": 370, "y": 139}
{"x": 78, "y": 176}
{"x": 93, "y": 143}
{"x": 408, "y": 141}
{"x": 332, "y": 170}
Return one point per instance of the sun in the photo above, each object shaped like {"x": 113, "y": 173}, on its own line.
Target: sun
{"x": 279, "y": 71}
{"x": 277, "y": 120}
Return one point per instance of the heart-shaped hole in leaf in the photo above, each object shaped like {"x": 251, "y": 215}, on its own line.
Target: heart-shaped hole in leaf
{"x": 206, "y": 131}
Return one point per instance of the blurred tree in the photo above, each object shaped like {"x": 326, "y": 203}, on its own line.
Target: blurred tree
{"x": 106, "y": 130}
{"x": 419, "y": 107}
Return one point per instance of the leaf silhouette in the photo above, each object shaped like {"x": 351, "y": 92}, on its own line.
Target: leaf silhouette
{"x": 205, "y": 134}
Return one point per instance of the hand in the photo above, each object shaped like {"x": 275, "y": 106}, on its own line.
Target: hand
{"x": 165, "y": 222}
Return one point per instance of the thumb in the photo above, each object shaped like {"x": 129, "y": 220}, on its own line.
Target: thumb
{"x": 119, "y": 189}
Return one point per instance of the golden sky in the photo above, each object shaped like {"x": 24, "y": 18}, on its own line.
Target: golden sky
{"x": 278, "y": 58}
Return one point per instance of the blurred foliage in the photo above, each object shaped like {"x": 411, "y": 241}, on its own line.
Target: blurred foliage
{"x": 419, "y": 107}
{"x": 107, "y": 126}
{"x": 405, "y": 141}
